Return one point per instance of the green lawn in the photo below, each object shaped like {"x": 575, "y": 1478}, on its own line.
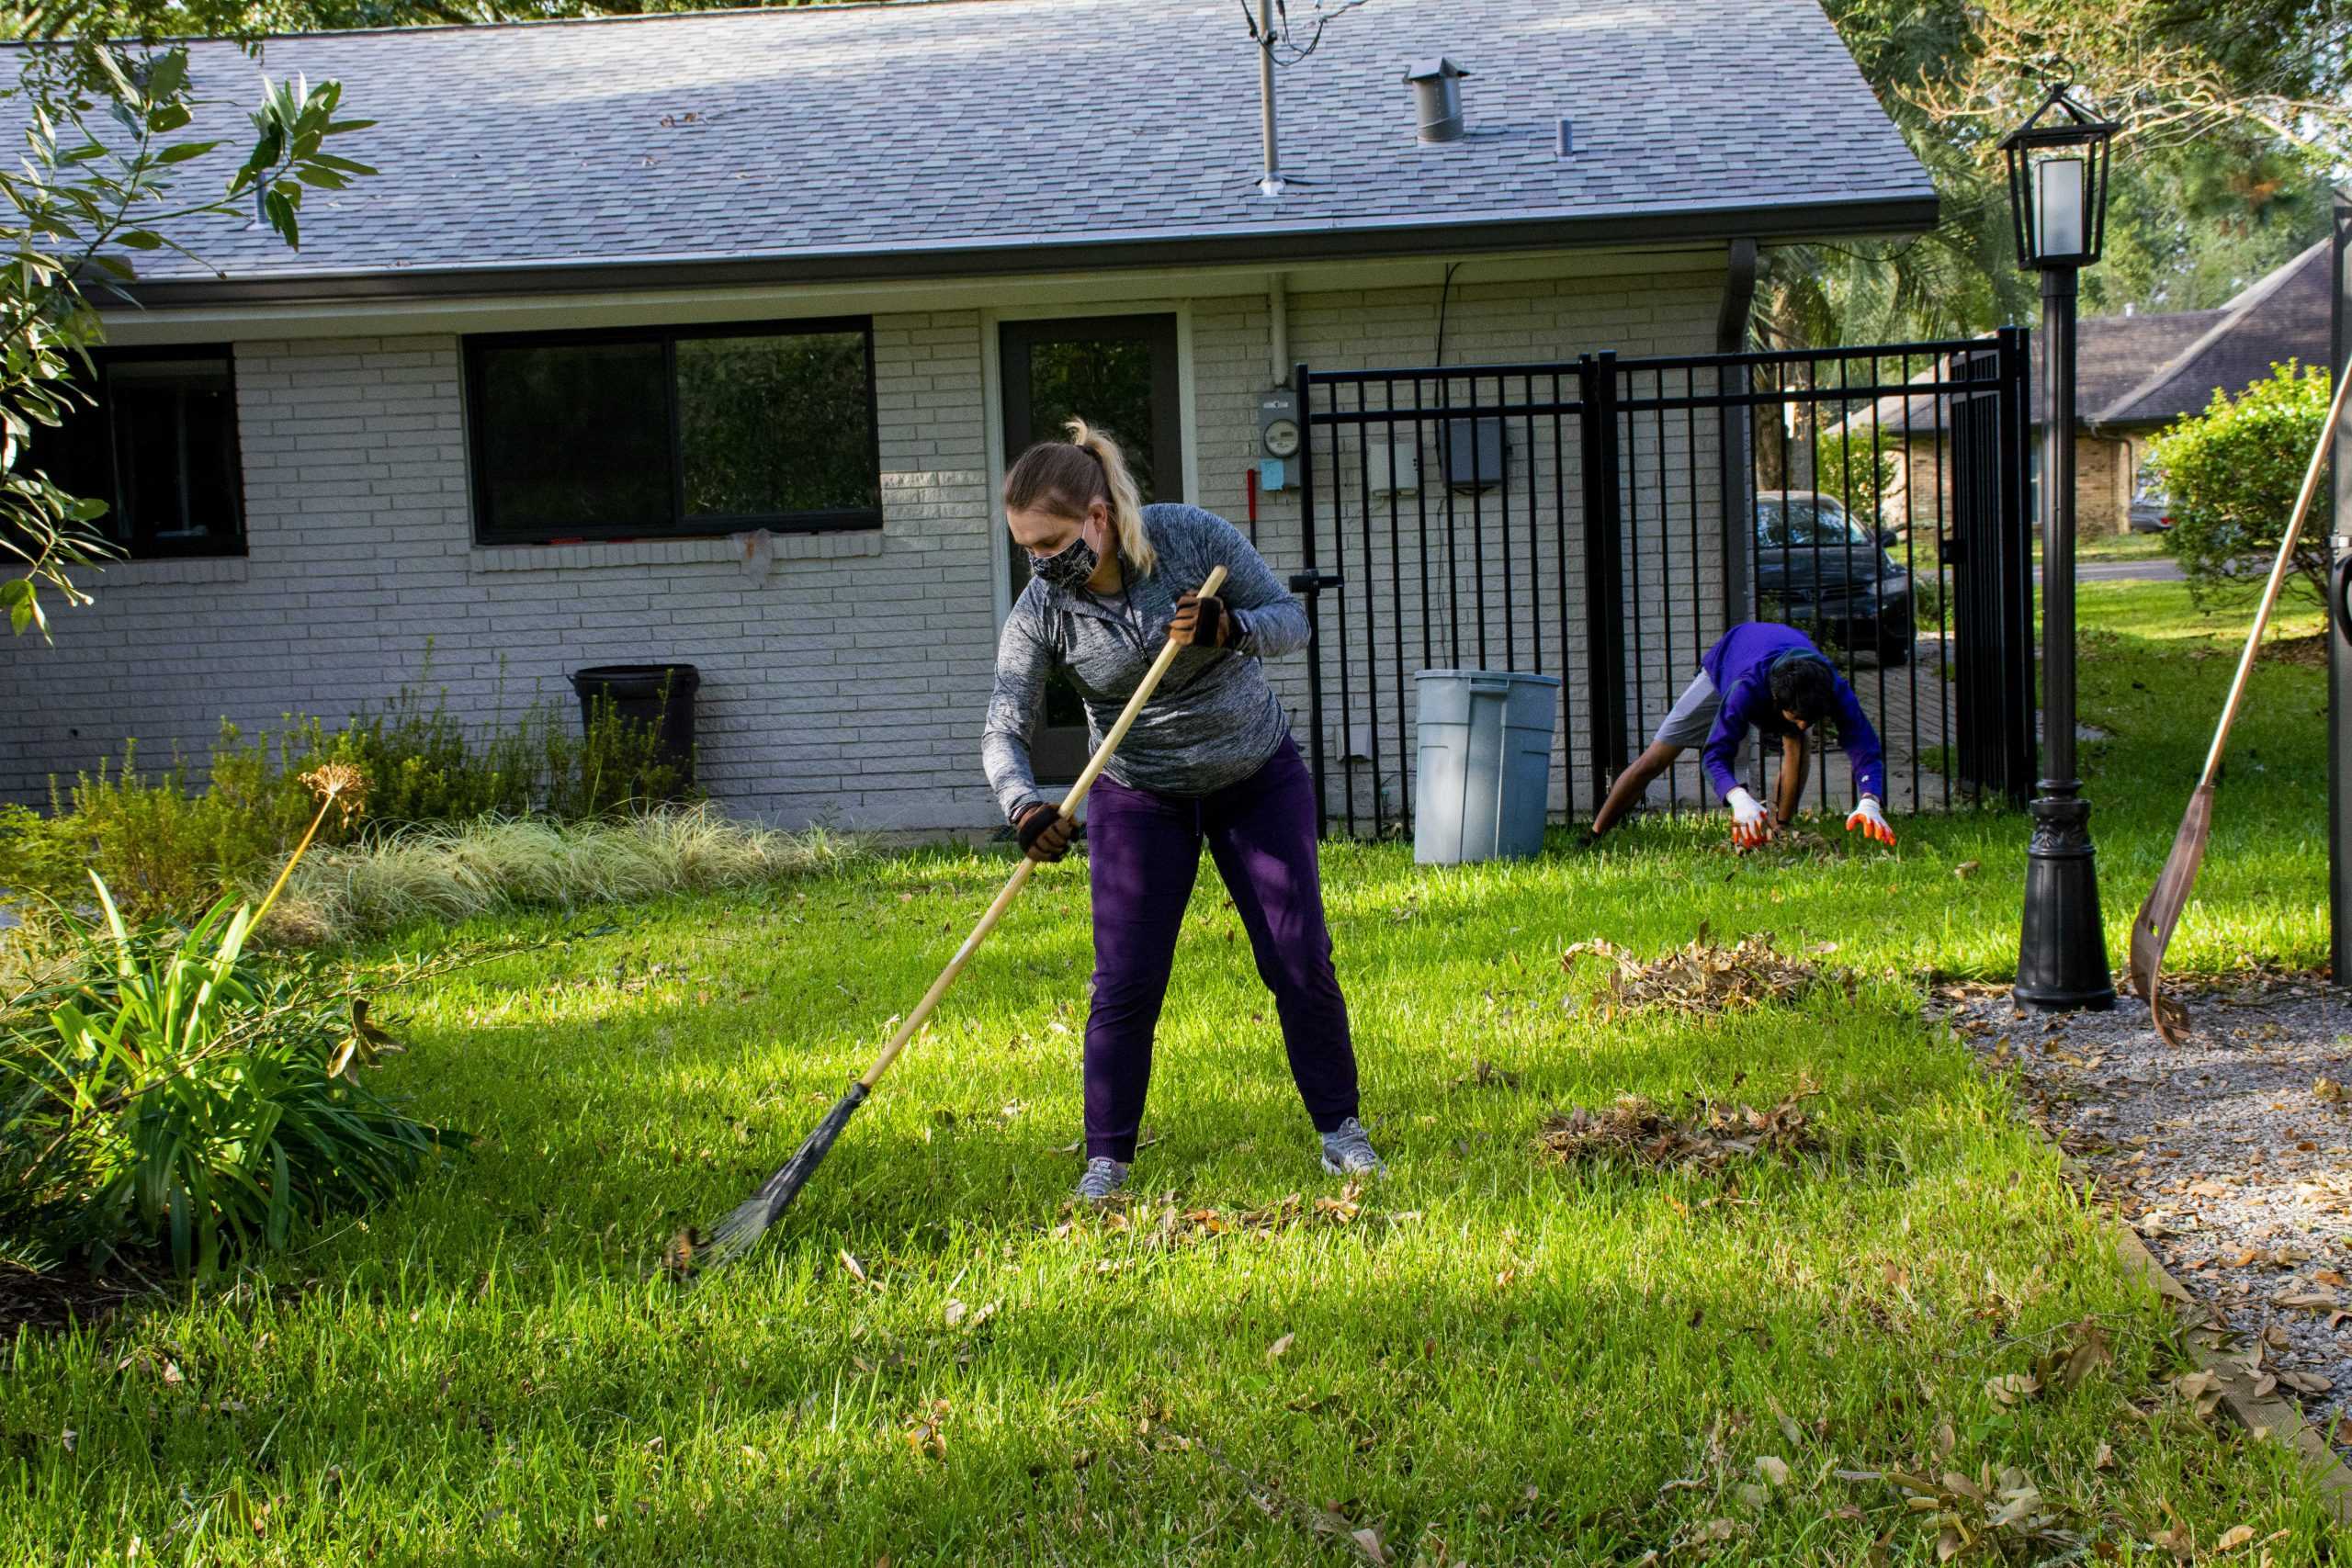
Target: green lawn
{"x": 1497, "y": 1359}
{"x": 2120, "y": 546}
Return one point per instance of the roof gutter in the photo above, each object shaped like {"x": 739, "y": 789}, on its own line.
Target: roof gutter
{"x": 1768, "y": 224}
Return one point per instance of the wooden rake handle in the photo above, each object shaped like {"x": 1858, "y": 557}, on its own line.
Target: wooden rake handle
{"x": 1094, "y": 765}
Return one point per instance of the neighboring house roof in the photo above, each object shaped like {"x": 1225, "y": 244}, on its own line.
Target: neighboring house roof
{"x": 2283, "y": 317}
{"x": 2150, "y": 370}
{"x": 936, "y": 137}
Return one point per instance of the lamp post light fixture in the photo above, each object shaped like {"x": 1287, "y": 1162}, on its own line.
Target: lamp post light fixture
{"x": 2058, "y": 162}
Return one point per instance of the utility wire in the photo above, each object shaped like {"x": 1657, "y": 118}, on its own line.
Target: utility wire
{"x": 1280, "y": 40}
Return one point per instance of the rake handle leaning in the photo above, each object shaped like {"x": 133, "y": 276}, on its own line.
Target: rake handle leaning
{"x": 2278, "y": 574}
{"x": 1094, "y": 765}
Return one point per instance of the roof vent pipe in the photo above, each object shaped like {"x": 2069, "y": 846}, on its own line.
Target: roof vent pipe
{"x": 1438, "y": 95}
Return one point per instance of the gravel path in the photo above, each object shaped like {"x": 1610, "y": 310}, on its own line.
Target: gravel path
{"x": 2232, "y": 1156}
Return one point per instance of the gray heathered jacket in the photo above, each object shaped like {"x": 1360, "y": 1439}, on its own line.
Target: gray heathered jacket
{"x": 1214, "y": 720}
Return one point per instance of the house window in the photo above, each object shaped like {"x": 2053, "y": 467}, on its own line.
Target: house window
{"x": 159, "y": 446}
{"x": 674, "y": 432}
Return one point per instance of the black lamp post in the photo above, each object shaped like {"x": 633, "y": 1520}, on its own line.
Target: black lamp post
{"x": 2058, "y": 194}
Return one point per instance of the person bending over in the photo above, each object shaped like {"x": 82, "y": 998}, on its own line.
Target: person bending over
{"x": 1767, "y": 677}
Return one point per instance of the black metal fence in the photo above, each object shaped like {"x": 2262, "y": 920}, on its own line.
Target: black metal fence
{"x": 1605, "y": 520}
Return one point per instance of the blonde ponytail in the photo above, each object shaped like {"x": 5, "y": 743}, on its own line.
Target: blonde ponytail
{"x": 1065, "y": 477}
{"x": 1127, "y": 502}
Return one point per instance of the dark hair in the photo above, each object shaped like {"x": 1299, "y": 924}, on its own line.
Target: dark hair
{"x": 1065, "y": 477}
{"x": 1805, "y": 686}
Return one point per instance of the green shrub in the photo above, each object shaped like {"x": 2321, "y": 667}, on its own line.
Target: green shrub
{"x": 168, "y": 1090}
{"x": 2233, "y": 473}
{"x": 158, "y": 844}
{"x": 427, "y": 768}
{"x": 1859, "y": 470}
{"x": 162, "y": 843}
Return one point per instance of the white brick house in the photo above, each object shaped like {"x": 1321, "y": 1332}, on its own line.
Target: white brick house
{"x": 847, "y": 684}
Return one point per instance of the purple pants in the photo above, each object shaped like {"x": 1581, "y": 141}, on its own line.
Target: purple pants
{"x": 1143, "y": 850}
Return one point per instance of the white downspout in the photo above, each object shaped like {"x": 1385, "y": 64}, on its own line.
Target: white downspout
{"x": 1278, "y": 320}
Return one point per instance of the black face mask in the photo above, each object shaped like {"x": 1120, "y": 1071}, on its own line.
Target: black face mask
{"x": 1068, "y": 568}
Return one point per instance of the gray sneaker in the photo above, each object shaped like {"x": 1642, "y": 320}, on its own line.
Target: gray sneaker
{"x": 1347, "y": 1151}
{"x": 1103, "y": 1178}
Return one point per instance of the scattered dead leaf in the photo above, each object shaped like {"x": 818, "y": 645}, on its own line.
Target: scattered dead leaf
{"x": 2307, "y": 1301}
{"x": 2201, "y": 1390}
{"x": 926, "y": 1428}
{"x": 2013, "y": 1388}
{"x": 1280, "y": 1347}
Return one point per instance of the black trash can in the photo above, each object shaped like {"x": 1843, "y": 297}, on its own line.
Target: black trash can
{"x": 661, "y": 696}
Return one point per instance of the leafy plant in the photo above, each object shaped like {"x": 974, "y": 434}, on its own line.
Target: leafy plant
{"x": 171, "y": 1090}
{"x": 2233, "y": 473}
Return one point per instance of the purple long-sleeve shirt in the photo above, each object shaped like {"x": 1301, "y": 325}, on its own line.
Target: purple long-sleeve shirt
{"x": 1740, "y": 664}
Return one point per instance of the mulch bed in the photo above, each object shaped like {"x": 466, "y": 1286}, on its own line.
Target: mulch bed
{"x": 2311, "y": 652}
{"x": 2232, "y": 1156}
{"x": 60, "y": 1299}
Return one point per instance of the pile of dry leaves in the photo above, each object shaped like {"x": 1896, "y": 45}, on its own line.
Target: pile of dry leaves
{"x": 1705, "y": 1134}
{"x": 1704, "y": 976}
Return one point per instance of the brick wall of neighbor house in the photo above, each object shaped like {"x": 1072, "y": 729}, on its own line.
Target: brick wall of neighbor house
{"x": 846, "y": 686}
{"x": 2103, "y": 474}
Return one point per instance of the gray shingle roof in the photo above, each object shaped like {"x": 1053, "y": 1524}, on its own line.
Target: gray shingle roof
{"x": 2151, "y": 370}
{"x": 919, "y": 131}
{"x": 2283, "y": 317}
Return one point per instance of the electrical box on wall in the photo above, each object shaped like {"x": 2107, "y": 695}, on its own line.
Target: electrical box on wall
{"x": 1474, "y": 453}
{"x": 1279, "y": 435}
{"x": 1392, "y": 466}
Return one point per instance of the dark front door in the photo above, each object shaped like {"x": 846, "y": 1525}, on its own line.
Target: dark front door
{"x": 1117, "y": 373}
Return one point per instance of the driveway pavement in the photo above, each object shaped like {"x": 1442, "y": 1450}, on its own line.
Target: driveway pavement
{"x": 2164, "y": 571}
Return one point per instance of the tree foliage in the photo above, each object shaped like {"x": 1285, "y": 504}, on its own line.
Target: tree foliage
{"x": 2233, "y": 473}
{"x": 2218, "y": 177}
{"x": 107, "y": 128}
{"x": 1859, "y": 468}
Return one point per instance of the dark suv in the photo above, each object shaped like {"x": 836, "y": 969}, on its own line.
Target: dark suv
{"x": 1830, "y": 577}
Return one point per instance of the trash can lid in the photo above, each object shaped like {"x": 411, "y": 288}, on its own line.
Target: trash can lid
{"x": 1519, "y": 676}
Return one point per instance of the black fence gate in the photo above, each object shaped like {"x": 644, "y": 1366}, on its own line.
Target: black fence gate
{"x": 1604, "y": 520}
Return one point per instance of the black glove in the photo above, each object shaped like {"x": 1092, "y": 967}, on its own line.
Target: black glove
{"x": 1211, "y": 622}
{"x": 1043, "y": 832}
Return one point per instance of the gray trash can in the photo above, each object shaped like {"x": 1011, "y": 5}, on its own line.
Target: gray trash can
{"x": 1485, "y": 765}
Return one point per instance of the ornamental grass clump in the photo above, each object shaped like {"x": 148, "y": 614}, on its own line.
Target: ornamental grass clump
{"x": 164, "y": 1089}
{"x": 451, "y": 872}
